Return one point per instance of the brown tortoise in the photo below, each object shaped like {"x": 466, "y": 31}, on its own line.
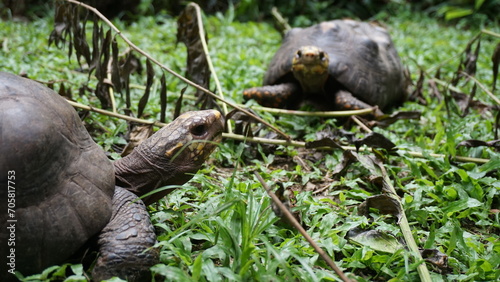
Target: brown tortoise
{"x": 66, "y": 190}
{"x": 336, "y": 65}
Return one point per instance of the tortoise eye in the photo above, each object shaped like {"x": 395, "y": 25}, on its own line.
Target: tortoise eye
{"x": 198, "y": 130}
{"x": 322, "y": 55}
{"x": 299, "y": 54}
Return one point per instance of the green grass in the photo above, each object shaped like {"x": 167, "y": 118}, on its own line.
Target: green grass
{"x": 220, "y": 225}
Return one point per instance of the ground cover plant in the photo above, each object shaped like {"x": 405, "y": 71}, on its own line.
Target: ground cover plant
{"x": 221, "y": 226}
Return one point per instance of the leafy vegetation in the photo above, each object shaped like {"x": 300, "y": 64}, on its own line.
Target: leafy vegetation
{"x": 221, "y": 226}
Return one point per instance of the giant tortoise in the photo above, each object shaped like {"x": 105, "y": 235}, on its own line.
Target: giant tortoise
{"x": 336, "y": 65}
{"x": 59, "y": 190}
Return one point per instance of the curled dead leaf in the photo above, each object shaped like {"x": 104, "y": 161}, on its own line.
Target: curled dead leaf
{"x": 479, "y": 143}
{"x": 375, "y": 140}
{"x": 384, "y": 203}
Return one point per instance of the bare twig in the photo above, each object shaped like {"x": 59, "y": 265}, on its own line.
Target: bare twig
{"x": 352, "y": 148}
{"x": 111, "y": 94}
{"x": 491, "y": 33}
{"x": 361, "y": 124}
{"x": 315, "y": 113}
{"x": 447, "y": 85}
{"x": 185, "y": 80}
{"x": 264, "y": 140}
{"x": 116, "y": 115}
{"x": 302, "y": 231}
{"x": 283, "y": 22}
{"x": 482, "y": 87}
{"x": 444, "y": 62}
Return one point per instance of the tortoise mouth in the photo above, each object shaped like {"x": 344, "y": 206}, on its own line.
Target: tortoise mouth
{"x": 310, "y": 68}
{"x": 310, "y": 55}
{"x": 310, "y": 61}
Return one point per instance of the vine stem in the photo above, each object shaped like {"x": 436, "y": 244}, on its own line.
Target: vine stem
{"x": 403, "y": 223}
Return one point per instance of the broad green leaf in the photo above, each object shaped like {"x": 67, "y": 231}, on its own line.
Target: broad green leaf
{"x": 196, "y": 269}
{"x": 478, "y": 4}
{"x": 171, "y": 273}
{"x": 377, "y": 240}
{"x": 457, "y": 13}
{"x": 461, "y": 205}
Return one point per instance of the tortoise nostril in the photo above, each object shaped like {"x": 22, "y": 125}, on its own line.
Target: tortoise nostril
{"x": 199, "y": 130}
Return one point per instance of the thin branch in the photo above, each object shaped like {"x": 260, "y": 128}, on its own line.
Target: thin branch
{"x": 447, "y": 85}
{"x": 185, "y": 80}
{"x": 315, "y": 113}
{"x": 283, "y": 22}
{"x": 444, "y": 62}
{"x": 116, "y": 115}
{"x": 361, "y": 124}
{"x": 302, "y": 231}
{"x": 260, "y": 140}
{"x": 491, "y": 33}
{"x": 108, "y": 78}
{"x": 482, "y": 87}
{"x": 301, "y": 144}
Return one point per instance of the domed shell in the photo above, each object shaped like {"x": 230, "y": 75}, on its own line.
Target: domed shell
{"x": 63, "y": 182}
{"x": 363, "y": 59}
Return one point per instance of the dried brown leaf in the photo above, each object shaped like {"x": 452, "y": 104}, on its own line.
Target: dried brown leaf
{"x": 472, "y": 143}
{"x": 116, "y": 78}
{"x": 497, "y": 123}
{"x": 387, "y": 120}
{"x": 347, "y": 159}
{"x": 434, "y": 90}
{"x": 436, "y": 258}
{"x": 149, "y": 82}
{"x": 471, "y": 60}
{"x": 137, "y": 134}
{"x": 384, "y": 203}
{"x": 65, "y": 92}
{"x": 375, "y": 140}
{"x": 325, "y": 142}
{"x": 417, "y": 93}
{"x": 197, "y": 66}
{"x": 163, "y": 98}
{"x": 243, "y": 122}
{"x": 101, "y": 67}
{"x": 178, "y": 103}
{"x": 130, "y": 65}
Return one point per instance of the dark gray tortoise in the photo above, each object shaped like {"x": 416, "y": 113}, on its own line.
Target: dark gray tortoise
{"x": 66, "y": 191}
{"x": 336, "y": 65}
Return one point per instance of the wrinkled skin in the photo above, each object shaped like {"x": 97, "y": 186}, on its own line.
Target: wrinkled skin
{"x": 171, "y": 156}
{"x": 65, "y": 189}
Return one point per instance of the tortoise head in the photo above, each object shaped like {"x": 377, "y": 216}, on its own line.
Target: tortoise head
{"x": 172, "y": 155}
{"x": 310, "y": 68}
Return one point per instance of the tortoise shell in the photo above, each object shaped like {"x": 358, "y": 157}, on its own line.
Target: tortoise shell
{"x": 62, "y": 178}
